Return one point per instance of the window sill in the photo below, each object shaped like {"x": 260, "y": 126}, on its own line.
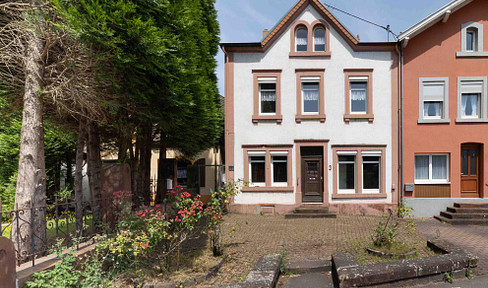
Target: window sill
{"x": 257, "y": 118}
{"x": 348, "y": 117}
{"x": 267, "y": 189}
{"x": 310, "y": 54}
{"x": 434, "y": 121}
{"x": 359, "y": 196}
{"x": 472, "y": 54}
{"x": 299, "y": 118}
{"x": 474, "y": 120}
{"x": 432, "y": 183}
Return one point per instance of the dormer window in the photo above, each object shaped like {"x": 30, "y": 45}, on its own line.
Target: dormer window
{"x": 319, "y": 39}
{"x": 472, "y": 40}
{"x": 301, "y": 39}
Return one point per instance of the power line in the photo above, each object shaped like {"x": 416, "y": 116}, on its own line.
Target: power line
{"x": 387, "y": 28}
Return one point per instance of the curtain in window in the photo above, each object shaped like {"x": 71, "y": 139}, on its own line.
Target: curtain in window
{"x": 439, "y": 167}
{"x": 319, "y": 36}
{"x": 358, "y": 95}
{"x": 268, "y": 96}
{"x": 469, "y": 104}
{"x": 302, "y": 37}
{"x": 421, "y": 167}
{"x": 311, "y": 93}
{"x": 432, "y": 109}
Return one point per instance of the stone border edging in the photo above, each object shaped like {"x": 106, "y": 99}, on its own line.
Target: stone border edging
{"x": 391, "y": 255}
{"x": 350, "y": 274}
{"x": 264, "y": 274}
{"x": 192, "y": 281}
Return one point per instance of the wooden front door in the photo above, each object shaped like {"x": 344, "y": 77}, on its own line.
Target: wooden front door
{"x": 312, "y": 179}
{"x": 470, "y": 170}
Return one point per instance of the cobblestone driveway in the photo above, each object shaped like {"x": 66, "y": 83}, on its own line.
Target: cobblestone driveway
{"x": 470, "y": 237}
{"x": 312, "y": 239}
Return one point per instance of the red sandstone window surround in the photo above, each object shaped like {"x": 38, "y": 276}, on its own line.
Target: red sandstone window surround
{"x": 359, "y": 94}
{"x": 267, "y": 96}
{"x": 310, "y": 40}
{"x": 310, "y": 95}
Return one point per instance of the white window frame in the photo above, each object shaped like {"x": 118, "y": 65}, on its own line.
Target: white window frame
{"x": 482, "y": 103}
{"x": 251, "y": 154}
{"x": 310, "y": 79}
{"x": 425, "y": 81}
{"x": 325, "y": 38}
{"x": 268, "y": 80}
{"x": 478, "y": 50}
{"x": 358, "y": 79}
{"x": 279, "y": 153}
{"x": 430, "y": 180}
{"x": 347, "y": 153}
{"x": 371, "y": 154}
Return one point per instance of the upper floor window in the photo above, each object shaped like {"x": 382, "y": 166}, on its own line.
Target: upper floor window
{"x": 359, "y": 94}
{"x": 433, "y": 100}
{"x": 310, "y": 95}
{"x": 301, "y": 39}
{"x": 267, "y": 96}
{"x": 471, "y": 40}
{"x": 310, "y": 40}
{"x": 472, "y": 99}
{"x": 319, "y": 39}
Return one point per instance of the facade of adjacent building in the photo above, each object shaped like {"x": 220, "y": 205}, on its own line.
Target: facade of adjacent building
{"x": 445, "y": 104}
{"x": 312, "y": 117}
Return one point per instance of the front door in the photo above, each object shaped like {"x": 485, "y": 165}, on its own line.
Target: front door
{"x": 312, "y": 179}
{"x": 470, "y": 170}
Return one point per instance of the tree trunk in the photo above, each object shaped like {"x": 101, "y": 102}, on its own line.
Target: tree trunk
{"x": 146, "y": 163}
{"x": 161, "y": 177}
{"x": 93, "y": 171}
{"x": 78, "y": 185}
{"x": 28, "y": 229}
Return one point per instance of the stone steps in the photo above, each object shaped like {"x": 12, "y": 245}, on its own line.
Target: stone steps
{"x": 310, "y": 211}
{"x": 465, "y": 214}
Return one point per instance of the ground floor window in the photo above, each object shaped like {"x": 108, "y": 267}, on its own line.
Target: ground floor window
{"x": 431, "y": 168}
{"x": 267, "y": 166}
{"x": 359, "y": 170}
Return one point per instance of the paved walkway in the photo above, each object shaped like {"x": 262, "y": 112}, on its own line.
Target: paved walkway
{"x": 472, "y": 238}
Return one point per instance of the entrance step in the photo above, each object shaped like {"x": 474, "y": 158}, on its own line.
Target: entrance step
{"x": 461, "y": 221}
{"x": 471, "y": 205}
{"x": 310, "y": 266}
{"x": 465, "y": 214}
{"x": 310, "y": 211}
{"x": 316, "y": 280}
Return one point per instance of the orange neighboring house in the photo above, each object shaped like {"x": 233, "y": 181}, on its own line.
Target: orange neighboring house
{"x": 445, "y": 121}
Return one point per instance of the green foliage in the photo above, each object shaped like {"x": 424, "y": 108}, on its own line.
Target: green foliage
{"x": 449, "y": 276}
{"x": 7, "y": 193}
{"x": 284, "y": 257}
{"x": 385, "y": 233}
{"x": 469, "y": 273}
{"x": 71, "y": 272}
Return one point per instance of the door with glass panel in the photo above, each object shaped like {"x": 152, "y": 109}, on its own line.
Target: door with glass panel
{"x": 470, "y": 170}
{"x": 312, "y": 179}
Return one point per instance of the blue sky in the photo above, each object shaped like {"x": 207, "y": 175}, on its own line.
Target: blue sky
{"x": 244, "y": 20}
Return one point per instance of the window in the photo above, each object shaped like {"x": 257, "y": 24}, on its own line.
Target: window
{"x": 371, "y": 173}
{"x": 359, "y": 172}
{"x": 301, "y": 40}
{"x": 433, "y": 100}
{"x": 471, "y": 99}
{"x": 319, "y": 39}
{"x": 268, "y": 168}
{"x": 310, "y": 95}
{"x": 267, "y": 96}
{"x": 358, "y": 94}
{"x": 471, "y": 40}
{"x": 279, "y": 170}
{"x": 310, "y": 40}
{"x": 347, "y": 173}
{"x": 257, "y": 169}
{"x": 431, "y": 168}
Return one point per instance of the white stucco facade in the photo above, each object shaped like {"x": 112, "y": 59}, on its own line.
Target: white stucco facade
{"x": 335, "y": 129}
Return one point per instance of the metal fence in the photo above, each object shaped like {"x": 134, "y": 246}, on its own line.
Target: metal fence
{"x": 36, "y": 229}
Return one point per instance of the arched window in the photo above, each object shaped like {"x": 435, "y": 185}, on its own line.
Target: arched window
{"x": 472, "y": 39}
{"x": 301, "y": 40}
{"x": 319, "y": 39}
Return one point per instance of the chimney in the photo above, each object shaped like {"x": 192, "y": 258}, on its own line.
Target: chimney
{"x": 265, "y": 32}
